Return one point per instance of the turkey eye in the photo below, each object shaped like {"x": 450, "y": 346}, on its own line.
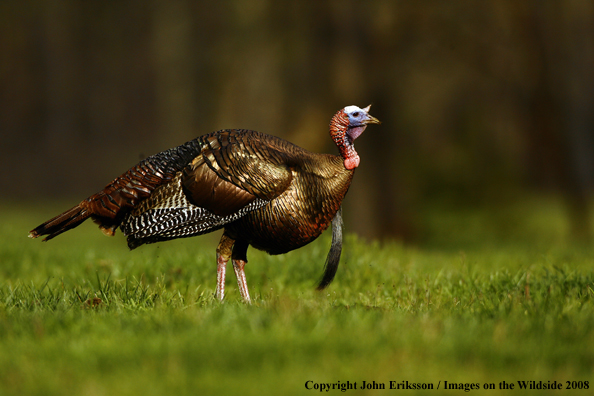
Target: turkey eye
{"x": 356, "y": 114}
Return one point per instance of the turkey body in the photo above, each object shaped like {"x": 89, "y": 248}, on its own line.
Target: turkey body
{"x": 262, "y": 190}
{"x": 300, "y": 214}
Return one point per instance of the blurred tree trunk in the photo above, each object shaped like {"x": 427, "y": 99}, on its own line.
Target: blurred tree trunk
{"x": 248, "y": 66}
{"x": 564, "y": 103}
{"x": 64, "y": 86}
{"x": 577, "y": 74}
{"x": 379, "y": 205}
{"x": 175, "y": 79}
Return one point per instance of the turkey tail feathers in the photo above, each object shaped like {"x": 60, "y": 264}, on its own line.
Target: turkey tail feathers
{"x": 333, "y": 257}
{"x": 109, "y": 206}
{"x": 63, "y": 222}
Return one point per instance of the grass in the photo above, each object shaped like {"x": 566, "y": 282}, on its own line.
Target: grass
{"x": 83, "y": 315}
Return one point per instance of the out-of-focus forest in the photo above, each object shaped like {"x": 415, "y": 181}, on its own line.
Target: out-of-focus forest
{"x": 481, "y": 101}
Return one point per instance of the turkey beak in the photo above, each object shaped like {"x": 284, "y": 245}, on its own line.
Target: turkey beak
{"x": 370, "y": 119}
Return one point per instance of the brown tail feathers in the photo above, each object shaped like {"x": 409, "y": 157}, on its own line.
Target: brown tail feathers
{"x": 63, "y": 222}
{"x": 109, "y": 206}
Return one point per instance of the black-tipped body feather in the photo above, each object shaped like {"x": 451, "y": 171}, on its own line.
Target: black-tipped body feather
{"x": 333, "y": 258}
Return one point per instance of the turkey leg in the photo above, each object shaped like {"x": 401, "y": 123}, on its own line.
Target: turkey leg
{"x": 223, "y": 254}
{"x": 239, "y": 262}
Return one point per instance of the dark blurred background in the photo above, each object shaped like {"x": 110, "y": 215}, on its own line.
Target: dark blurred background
{"x": 482, "y": 102}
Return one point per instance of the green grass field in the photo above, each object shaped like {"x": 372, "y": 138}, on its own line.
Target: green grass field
{"x": 481, "y": 301}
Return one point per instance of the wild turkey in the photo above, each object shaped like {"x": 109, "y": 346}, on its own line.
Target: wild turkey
{"x": 262, "y": 190}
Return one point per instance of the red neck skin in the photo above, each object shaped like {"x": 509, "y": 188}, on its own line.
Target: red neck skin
{"x": 344, "y": 138}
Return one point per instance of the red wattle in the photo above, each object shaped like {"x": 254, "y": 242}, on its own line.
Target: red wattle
{"x": 352, "y": 162}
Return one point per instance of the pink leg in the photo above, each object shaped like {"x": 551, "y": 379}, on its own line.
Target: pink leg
{"x": 223, "y": 254}
{"x": 238, "y": 266}
{"x": 221, "y": 268}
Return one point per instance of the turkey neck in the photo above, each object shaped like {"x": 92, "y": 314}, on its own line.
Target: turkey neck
{"x": 303, "y": 211}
